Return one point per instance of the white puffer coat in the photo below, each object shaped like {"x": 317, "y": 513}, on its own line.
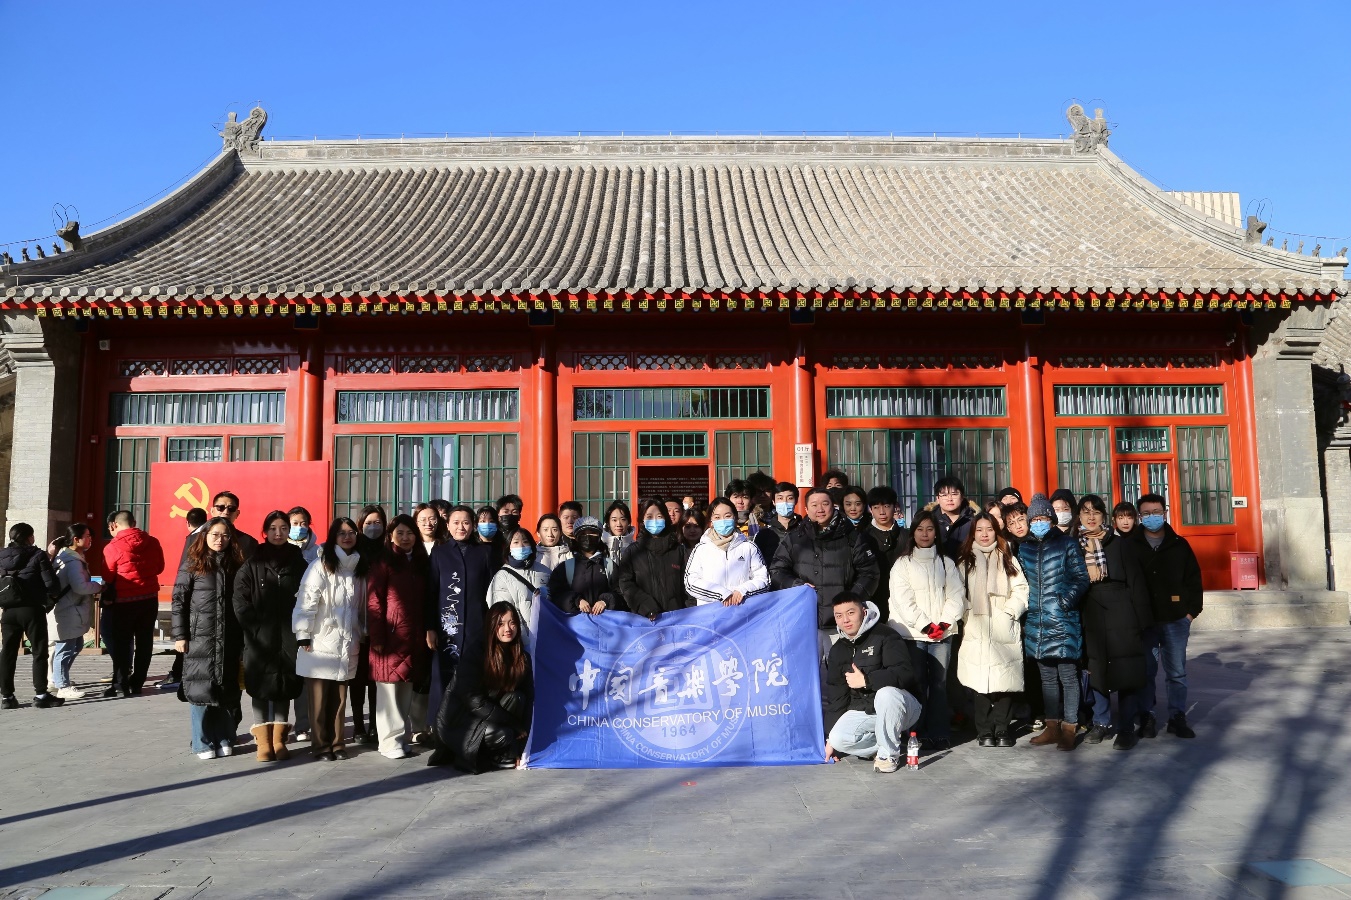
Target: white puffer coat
{"x": 925, "y": 589}
{"x": 509, "y": 584}
{"x": 331, "y": 613}
{"x": 713, "y": 572}
{"x": 991, "y": 661}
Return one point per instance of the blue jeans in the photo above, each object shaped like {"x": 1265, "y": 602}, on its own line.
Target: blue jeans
{"x": 63, "y": 657}
{"x": 1167, "y": 643}
{"x": 1060, "y": 689}
{"x": 213, "y": 727}
{"x": 881, "y": 734}
{"x": 935, "y": 721}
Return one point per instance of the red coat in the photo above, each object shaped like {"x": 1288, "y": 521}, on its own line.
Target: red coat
{"x": 395, "y": 599}
{"x": 133, "y": 561}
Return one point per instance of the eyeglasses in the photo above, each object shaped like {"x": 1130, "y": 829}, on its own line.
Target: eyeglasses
{"x": 347, "y": 534}
{"x": 225, "y": 507}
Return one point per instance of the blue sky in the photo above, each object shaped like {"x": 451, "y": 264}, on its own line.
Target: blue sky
{"x": 107, "y": 104}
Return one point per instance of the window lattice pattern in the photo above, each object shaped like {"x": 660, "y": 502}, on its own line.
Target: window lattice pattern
{"x": 255, "y": 449}
{"x": 857, "y": 361}
{"x": 750, "y": 361}
{"x": 199, "y": 408}
{"x": 1084, "y": 461}
{"x": 194, "y": 449}
{"x": 134, "y": 368}
{"x": 668, "y": 362}
{"x": 199, "y": 367}
{"x": 600, "y": 470}
{"x": 737, "y": 454}
{"x": 258, "y": 365}
{"x": 1139, "y": 400}
{"x": 368, "y": 365}
{"x": 670, "y": 403}
{"x": 1142, "y": 440}
{"x": 914, "y": 402}
{"x": 602, "y": 362}
{"x": 1205, "y": 489}
{"x": 128, "y": 476}
{"x": 428, "y": 406}
{"x": 425, "y": 365}
{"x": 672, "y": 444}
{"x": 489, "y": 364}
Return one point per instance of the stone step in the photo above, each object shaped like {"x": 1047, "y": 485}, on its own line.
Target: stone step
{"x": 1241, "y": 610}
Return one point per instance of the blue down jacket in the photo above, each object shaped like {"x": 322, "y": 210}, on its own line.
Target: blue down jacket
{"x": 1057, "y": 580}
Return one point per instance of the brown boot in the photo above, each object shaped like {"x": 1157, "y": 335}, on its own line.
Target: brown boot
{"x": 263, "y": 735}
{"x": 280, "y": 731}
{"x": 1049, "y": 735}
{"x": 1068, "y": 734}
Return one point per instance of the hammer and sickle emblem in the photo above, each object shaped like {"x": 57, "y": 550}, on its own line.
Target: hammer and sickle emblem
{"x": 184, "y": 492}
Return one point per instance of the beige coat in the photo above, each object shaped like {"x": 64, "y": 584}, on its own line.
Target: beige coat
{"x": 991, "y": 660}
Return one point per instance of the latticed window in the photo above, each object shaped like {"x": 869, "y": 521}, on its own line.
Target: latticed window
{"x": 1139, "y": 400}
{"x": 600, "y": 470}
{"x": 863, "y": 455}
{"x": 737, "y": 454}
{"x": 858, "y": 361}
{"x": 134, "y": 368}
{"x": 980, "y": 458}
{"x": 401, "y": 471}
{"x": 1205, "y": 488}
{"x": 128, "y": 476}
{"x": 199, "y": 367}
{"x": 914, "y": 402}
{"x": 670, "y": 403}
{"x": 199, "y": 408}
{"x": 428, "y": 406}
{"x": 668, "y": 361}
{"x": 672, "y": 444}
{"x": 739, "y": 361}
{"x": 912, "y": 461}
{"x": 255, "y": 449}
{"x": 363, "y": 472}
{"x": 485, "y": 363}
{"x": 258, "y": 365}
{"x": 425, "y": 365}
{"x": 368, "y": 365}
{"x": 1142, "y": 440}
{"x": 1084, "y": 461}
{"x": 194, "y": 449}
{"x": 602, "y": 362}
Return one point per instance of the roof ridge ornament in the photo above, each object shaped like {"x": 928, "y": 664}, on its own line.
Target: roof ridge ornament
{"x": 1253, "y": 233}
{"x": 241, "y": 136}
{"x": 1089, "y": 134}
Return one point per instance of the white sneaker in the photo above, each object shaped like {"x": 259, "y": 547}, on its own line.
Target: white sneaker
{"x": 70, "y": 692}
{"x": 226, "y": 750}
{"x": 885, "y": 764}
{"x": 207, "y": 754}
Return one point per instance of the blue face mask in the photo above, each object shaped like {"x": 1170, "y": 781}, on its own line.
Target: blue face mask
{"x": 854, "y": 521}
{"x": 654, "y": 526}
{"x": 1153, "y": 522}
{"x": 299, "y": 532}
{"x": 1040, "y": 528}
{"x": 784, "y": 509}
{"x": 487, "y": 530}
{"x": 521, "y": 554}
{"x": 900, "y": 520}
{"x": 724, "y": 527}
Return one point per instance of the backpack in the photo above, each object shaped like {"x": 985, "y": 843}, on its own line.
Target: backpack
{"x": 11, "y": 592}
{"x": 570, "y": 568}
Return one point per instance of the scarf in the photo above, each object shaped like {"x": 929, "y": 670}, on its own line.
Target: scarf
{"x": 1095, "y": 557}
{"x": 720, "y": 542}
{"x": 991, "y": 580}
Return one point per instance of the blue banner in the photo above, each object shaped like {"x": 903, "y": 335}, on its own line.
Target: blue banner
{"x": 708, "y": 686}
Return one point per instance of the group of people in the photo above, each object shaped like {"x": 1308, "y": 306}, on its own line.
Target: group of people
{"x": 1042, "y": 611}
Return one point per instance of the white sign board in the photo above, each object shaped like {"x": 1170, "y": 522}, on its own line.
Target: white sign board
{"x": 804, "y": 463}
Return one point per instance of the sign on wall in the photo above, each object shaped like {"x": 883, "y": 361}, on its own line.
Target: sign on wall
{"x": 176, "y": 487}
{"x": 804, "y": 464}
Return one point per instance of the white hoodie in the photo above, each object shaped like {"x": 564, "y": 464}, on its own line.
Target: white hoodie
{"x": 713, "y": 572}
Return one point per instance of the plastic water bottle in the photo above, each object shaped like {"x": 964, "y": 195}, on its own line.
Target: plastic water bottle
{"x": 912, "y": 753}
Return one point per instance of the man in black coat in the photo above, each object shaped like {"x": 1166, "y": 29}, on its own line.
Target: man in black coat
{"x": 890, "y": 538}
{"x": 1174, "y": 578}
{"x": 870, "y": 686}
{"x": 954, "y": 515}
{"x": 827, "y": 554}
{"x": 227, "y": 504}
{"x": 32, "y": 590}
{"x": 776, "y": 527}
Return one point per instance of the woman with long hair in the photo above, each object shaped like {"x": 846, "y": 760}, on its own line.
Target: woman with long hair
{"x": 725, "y": 566}
{"x": 928, "y": 601}
{"x": 330, "y": 623}
{"x": 73, "y": 615}
{"x": 207, "y": 633}
{"x": 692, "y": 527}
{"x": 484, "y": 719}
{"x": 991, "y": 661}
{"x": 265, "y": 599}
{"x": 374, "y": 529}
{"x": 430, "y": 527}
{"x": 617, "y": 530}
{"x": 522, "y": 582}
{"x": 400, "y": 655}
{"x": 650, "y": 575}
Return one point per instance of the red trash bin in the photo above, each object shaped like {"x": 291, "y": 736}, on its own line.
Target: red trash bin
{"x": 1243, "y": 570}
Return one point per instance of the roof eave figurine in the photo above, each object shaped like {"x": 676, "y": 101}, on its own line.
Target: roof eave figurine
{"x": 1089, "y": 134}
{"x": 241, "y": 136}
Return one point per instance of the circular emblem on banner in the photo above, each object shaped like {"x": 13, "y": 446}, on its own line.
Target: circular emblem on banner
{"x": 679, "y": 695}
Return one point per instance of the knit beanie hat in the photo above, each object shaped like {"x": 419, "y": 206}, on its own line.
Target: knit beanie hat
{"x": 1040, "y": 506}
{"x": 1004, "y": 492}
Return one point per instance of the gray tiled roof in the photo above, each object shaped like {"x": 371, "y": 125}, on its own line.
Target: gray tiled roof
{"x": 565, "y": 216}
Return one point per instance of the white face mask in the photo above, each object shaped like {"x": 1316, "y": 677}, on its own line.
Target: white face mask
{"x": 1064, "y": 518}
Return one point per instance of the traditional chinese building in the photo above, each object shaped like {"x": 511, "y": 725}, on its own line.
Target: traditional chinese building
{"x": 602, "y": 317}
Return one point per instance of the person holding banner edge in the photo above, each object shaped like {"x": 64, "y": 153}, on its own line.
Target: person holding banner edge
{"x": 726, "y": 566}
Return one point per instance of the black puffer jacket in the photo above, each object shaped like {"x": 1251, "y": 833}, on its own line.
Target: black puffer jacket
{"x": 772, "y": 533}
{"x": 204, "y": 616}
{"x": 951, "y": 535}
{"x": 38, "y": 584}
{"x": 479, "y": 729}
{"x": 1115, "y": 614}
{"x": 883, "y": 657}
{"x": 833, "y": 558}
{"x": 652, "y": 575}
{"x": 594, "y": 579}
{"x": 264, "y": 599}
{"x": 1173, "y": 574}
{"x": 889, "y": 546}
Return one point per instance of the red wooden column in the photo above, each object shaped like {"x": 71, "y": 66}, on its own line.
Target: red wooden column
{"x": 804, "y": 392}
{"x": 541, "y": 493}
{"x": 1035, "y": 418}
{"x": 1244, "y": 448}
{"x": 311, "y": 378}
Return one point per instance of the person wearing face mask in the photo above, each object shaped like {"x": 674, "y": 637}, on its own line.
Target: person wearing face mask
{"x": 725, "y": 567}
{"x": 1063, "y": 502}
{"x": 488, "y": 532}
{"x": 928, "y": 600}
{"x": 784, "y": 520}
{"x": 828, "y": 555}
{"x": 586, "y": 583}
{"x": 458, "y": 592}
{"x": 854, "y": 505}
{"x": 509, "y": 507}
{"x": 650, "y": 575}
{"x": 1174, "y": 578}
{"x": 552, "y": 548}
{"x": 400, "y": 653}
{"x": 688, "y": 503}
{"x": 301, "y": 535}
{"x": 1116, "y": 613}
{"x": 991, "y": 661}
{"x": 890, "y": 538}
{"x": 374, "y": 528}
{"x": 523, "y": 582}
{"x": 617, "y": 534}
{"x": 1015, "y": 532}
{"x": 1057, "y": 579}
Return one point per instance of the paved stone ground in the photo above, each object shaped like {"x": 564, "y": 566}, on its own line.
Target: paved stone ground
{"x": 106, "y": 793}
